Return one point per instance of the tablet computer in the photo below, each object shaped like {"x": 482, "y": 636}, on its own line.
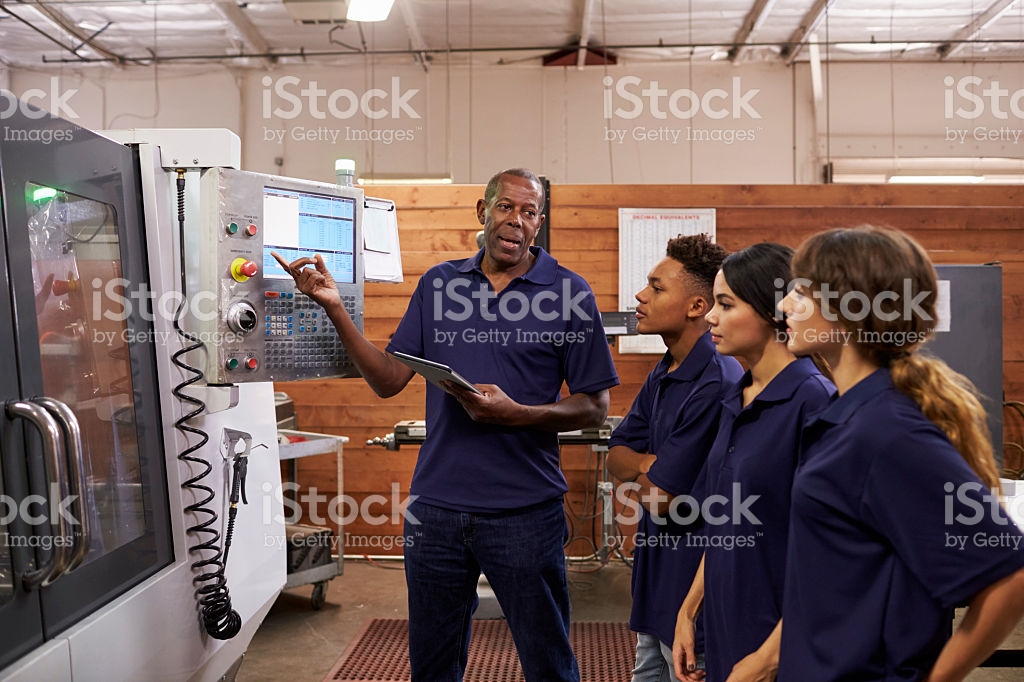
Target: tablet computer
{"x": 434, "y": 372}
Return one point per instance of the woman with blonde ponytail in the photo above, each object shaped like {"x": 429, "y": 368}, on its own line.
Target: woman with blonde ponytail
{"x": 892, "y": 522}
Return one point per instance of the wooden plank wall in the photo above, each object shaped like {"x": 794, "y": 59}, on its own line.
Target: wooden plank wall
{"x": 956, "y": 224}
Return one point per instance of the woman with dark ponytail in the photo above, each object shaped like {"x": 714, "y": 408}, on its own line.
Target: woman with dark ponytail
{"x": 886, "y": 533}
{"x": 739, "y": 584}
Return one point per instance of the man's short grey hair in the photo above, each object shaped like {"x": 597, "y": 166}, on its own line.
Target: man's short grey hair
{"x": 491, "y": 193}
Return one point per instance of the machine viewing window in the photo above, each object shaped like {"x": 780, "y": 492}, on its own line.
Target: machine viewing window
{"x": 305, "y": 224}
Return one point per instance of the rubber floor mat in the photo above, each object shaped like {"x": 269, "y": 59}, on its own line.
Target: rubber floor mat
{"x": 605, "y": 652}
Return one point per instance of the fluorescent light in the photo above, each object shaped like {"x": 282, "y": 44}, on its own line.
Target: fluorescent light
{"x": 881, "y": 48}
{"x": 859, "y": 178}
{"x": 936, "y": 179}
{"x": 369, "y": 10}
{"x": 405, "y": 181}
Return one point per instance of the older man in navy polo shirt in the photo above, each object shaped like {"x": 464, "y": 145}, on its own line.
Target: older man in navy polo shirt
{"x": 487, "y": 480}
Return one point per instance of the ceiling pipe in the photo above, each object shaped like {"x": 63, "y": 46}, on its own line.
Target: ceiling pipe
{"x": 116, "y": 60}
{"x": 6, "y": 10}
{"x": 306, "y": 54}
{"x": 64, "y": 23}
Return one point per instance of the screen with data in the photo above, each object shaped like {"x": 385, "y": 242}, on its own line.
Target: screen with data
{"x": 306, "y": 224}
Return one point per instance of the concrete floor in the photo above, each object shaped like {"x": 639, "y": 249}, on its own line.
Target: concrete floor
{"x": 297, "y": 644}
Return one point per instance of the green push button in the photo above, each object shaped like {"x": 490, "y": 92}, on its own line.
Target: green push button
{"x": 232, "y": 363}
{"x": 233, "y": 228}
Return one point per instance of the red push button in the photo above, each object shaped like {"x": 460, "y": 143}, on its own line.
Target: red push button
{"x": 252, "y": 363}
{"x": 242, "y": 269}
{"x": 251, "y": 230}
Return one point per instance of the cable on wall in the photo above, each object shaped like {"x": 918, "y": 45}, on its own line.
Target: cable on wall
{"x": 892, "y": 87}
{"x": 156, "y": 78}
{"x": 450, "y": 146}
{"x": 604, "y": 63}
{"x": 689, "y": 68}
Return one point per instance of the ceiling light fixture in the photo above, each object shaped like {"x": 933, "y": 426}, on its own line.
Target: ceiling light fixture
{"x": 397, "y": 180}
{"x": 881, "y": 47}
{"x": 936, "y": 179}
{"x": 369, "y": 10}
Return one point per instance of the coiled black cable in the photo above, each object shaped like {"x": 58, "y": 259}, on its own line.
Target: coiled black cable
{"x": 219, "y": 619}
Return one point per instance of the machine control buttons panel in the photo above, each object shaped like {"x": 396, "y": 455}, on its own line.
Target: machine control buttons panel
{"x": 265, "y": 329}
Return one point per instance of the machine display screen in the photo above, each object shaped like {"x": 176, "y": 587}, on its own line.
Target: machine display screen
{"x": 297, "y": 223}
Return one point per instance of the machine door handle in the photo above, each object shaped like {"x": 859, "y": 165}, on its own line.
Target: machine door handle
{"x": 76, "y": 476}
{"x": 53, "y": 454}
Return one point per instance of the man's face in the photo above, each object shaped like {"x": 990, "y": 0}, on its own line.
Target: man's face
{"x": 511, "y": 221}
{"x": 662, "y": 305}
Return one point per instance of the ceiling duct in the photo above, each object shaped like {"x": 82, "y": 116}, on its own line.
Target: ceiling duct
{"x": 317, "y": 11}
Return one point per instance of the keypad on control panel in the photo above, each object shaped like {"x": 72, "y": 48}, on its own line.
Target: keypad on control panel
{"x": 299, "y": 335}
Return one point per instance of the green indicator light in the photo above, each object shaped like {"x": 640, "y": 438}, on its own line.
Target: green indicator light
{"x": 232, "y": 363}
{"x": 43, "y": 193}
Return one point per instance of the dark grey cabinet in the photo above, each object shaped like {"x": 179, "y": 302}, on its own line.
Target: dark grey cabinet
{"x": 84, "y": 514}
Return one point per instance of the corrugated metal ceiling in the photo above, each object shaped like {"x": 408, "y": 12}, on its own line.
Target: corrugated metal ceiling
{"x": 40, "y": 34}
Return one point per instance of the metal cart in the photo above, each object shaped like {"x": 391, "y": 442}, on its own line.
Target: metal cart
{"x": 314, "y": 444}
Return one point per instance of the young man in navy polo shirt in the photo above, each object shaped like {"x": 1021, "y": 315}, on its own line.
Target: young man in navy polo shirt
{"x": 663, "y": 441}
{"x": 487, "y": 481}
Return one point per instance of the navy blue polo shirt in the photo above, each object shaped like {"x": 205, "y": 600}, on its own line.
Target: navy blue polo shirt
{"x": 755, "y": 454}
{"x": 674, "y": 416}
{"x": 886, "y": 536}
{"x": 541, "y": 331}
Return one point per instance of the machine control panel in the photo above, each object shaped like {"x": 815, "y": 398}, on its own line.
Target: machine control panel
{"x": 263, "y": 328}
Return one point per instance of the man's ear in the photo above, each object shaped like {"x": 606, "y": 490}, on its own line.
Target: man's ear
{"x": 699, "y": 306}
{"x": 481, "y": 210}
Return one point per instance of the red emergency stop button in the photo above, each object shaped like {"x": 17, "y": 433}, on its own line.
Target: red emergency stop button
{"x": 252, "y": 363}
{"x": 242, "y": 269}
{"x": 251, "y": 230}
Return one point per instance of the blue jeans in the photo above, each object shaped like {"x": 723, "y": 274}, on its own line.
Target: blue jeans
{"x": 521, "y": 553}
{"x": 653, "y": 660}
